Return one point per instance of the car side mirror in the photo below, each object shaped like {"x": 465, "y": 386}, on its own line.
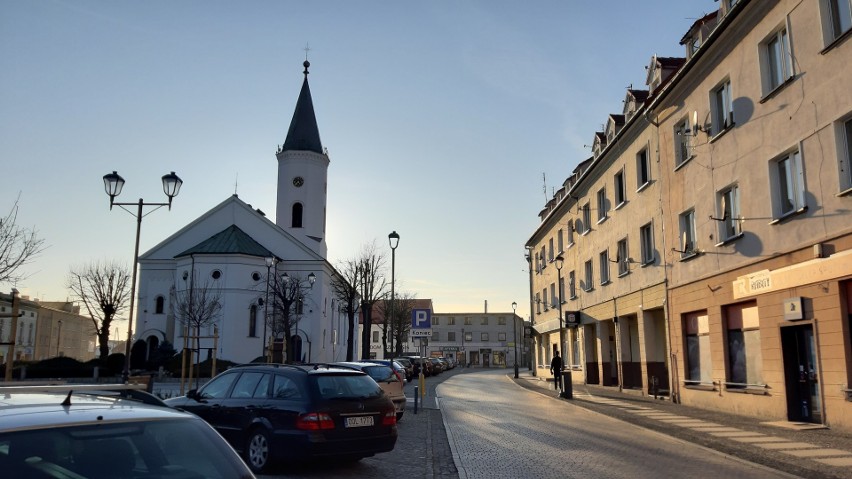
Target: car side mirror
{"x": 192, "y": 394}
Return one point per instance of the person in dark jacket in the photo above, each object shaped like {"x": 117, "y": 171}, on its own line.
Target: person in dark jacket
{"x": 556, "y": 370}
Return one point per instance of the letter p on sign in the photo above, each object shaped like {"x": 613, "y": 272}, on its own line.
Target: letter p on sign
{"x": 421, "y": 318}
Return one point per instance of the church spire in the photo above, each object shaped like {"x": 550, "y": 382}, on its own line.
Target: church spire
{"x": 304, "y": 133}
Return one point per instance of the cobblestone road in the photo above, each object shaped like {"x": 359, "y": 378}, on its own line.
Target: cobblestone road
{"x": 497, "y": 429}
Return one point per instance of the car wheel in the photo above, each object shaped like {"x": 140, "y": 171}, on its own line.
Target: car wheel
{"x": 258, "y": 451}
{"x": 399, "y": 416}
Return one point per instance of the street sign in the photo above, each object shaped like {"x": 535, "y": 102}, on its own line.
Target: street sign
{"x": 421, "y": 333}
{"x": 572, "y": 318}
{"x": 421, "y": 319}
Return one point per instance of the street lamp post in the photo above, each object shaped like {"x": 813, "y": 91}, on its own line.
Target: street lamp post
{"x": 58, "y": 337}
{"x": 113, "y": 183}
{"x": 567, "y": 385}
{"x": 393, "y": 240}
{"x": 515, "y": 332}
{"x": 270, "y": 262}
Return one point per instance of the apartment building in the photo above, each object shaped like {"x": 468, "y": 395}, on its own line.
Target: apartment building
{"x": 717, "y": 265}
{"x": 488, "y": 340}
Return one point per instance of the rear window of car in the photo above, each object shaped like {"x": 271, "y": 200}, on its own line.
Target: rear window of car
{"x": 380, "y": 373}
{"x": 346, "y": 386}
{"x": 179, "y": 448}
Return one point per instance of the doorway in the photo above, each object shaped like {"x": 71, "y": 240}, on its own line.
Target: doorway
{"x": 800, "y": 374}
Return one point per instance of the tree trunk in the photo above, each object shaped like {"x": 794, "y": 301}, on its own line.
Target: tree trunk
{"x": 365, "y": 332}
{"x": 103, "y": 343}
{"x": 350, "y": 340}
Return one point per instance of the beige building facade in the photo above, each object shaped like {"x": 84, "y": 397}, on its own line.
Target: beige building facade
{"x": 725, "y": 279}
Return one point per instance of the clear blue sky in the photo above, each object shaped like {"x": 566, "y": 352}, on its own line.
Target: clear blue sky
{"x": 440, "y": 118}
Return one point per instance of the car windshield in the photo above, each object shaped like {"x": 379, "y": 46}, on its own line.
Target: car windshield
{"x": 380, "y": 373}
{"x": 184, "y": 449}
{"x": 346, "y": 386}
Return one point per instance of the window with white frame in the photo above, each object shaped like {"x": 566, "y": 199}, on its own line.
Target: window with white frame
{"x": 587, "y": 218}
{"x": 561, "y": 290}
{"x": 844, "y": 153}
{"x": 550, "y": 249}
{"x": 643, "y": 169}
{"x": 745, "y": 361}
{"x": 501, "y": 336}
{"x": 687, "y": 233}
{"x": 375, "y": 336}
{"x": 483, "y": 321}
{"x": 560, "y": 241}
{"x": 776, "y": 60}
{"x": 544, "y": 299}
{"x": 572, "y": 284}
{"x": 569, "y": 231}
{"x": 728, "y": 205}
{"x": 682, "y": 142}
{"x": 786, "y": 176}
{"x": 451, "y": 321}
{"x": 436, "y": 319}
{"x": 468, "y": 337}
{"x": 623, "y": 258}
{"x": 603, "y": 205}
{"x": 722, "y": 107}
{"x": 620, "y": 188}
{"x": 837, "y": 18}
{"x": 603, "y": 264}
{"x": 588, "y": 285}
{"x": 483, "y": 336}
{"x": 543, "y": 261}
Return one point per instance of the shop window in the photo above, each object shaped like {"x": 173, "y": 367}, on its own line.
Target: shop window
{"x": 743, "y": 345}
{"x": 696, "y": 327}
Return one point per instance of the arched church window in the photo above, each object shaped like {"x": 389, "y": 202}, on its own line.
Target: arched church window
{"x": 159, "y": 305}
{"x": 297, "y": 215}
{"x": 253, "y": 321}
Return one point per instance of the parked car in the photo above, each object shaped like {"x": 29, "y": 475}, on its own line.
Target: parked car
{"x": 393, "y": 363}
{"x": 279, "y": 412}
{"x": 409, "y": 367}
{"x": 451, "y": 361}
{"x": 390, "y": 380}
{"x": 437, "y": 365}
{"x": 106, "y": 431}
{"x": 418, "y": 361}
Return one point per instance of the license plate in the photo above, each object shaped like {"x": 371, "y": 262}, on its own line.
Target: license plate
{"x": 359, "y": 421}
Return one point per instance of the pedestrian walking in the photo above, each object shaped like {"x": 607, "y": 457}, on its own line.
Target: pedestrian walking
{"x": 556, "y": 371}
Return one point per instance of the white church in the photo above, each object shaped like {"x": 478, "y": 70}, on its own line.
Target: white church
{"x": 229, "y": 249}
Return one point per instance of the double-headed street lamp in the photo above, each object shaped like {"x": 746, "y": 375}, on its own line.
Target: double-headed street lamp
{"x": 567, "y": 385}
{"x": 113, "y": 183}
{"x": 393, "y": 240}
{"x": 515, "y": 330}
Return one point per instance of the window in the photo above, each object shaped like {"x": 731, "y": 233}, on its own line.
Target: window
{"x": 604, "y": 266}
{"x": 550, "y": 249}
{"x": 745, "y": 362}
{"x": 451, "y": 336}
{"x": 252, "y": 332}
{"x": 603, "y": 205}
{"x": 251, "y": 385}
{"x": 561, "y": 298}
{"x": 728, "y": 204}
{"x": 587, "y": 218}
{"x": 788, "y": 195}
{"x": 468, "y": 321}
{"x": 436, "y": 336}
{"x": 776, "y": 60}
{"x": 216, "y": 274}
{"x": 375, "y": 336}
{"x": 643, "y": 169}
{"x": 687, "y": 234}
{"x": 722, "y": 108}
{"x": 451, "y": 321}
{"x": 622, "y": 258}
{"x": 682, "y": 139}
{"x": 543, "y": 262}
{"x": 436, "y": 320}
{"x": 696, "y": 327}
{"x": 620, "y": 189}
{"x": 572, "y": 284}
{"x": 501, "y": 336}
{"x": 285, "y": 388}
{"x": 159, "y": 305}
{"x": 553, "y": 299}
{"x": 484, "y": 321}
{"x": 844, "y": 153}
{"x": 646, "y": 238}
{"x": 299, "y": 306}
{"x": 537, "y": 303}
{"x": 589, "y": 276}
{"x": 297, "y": 216}
{"x": 468, "y": 336}
{"x": 838, "y": 18}
{"x": 544, "y": 299}
{"x": 569, "y": 231}
{"x": 560, "y": 241}
{"x": 483, "y": 336}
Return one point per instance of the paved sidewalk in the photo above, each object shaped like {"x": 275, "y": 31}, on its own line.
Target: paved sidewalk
{"x": 806, "y": 452}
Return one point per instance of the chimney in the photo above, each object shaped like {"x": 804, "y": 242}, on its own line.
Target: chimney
{"x": 486, "y": 306}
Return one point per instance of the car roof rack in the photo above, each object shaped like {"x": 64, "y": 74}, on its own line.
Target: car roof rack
{"x": 135, "y": 392}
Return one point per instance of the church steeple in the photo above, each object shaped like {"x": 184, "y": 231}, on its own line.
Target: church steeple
{"x": 304, "y": 133}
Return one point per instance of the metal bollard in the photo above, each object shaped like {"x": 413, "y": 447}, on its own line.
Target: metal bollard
{"x": 416, "y": 398}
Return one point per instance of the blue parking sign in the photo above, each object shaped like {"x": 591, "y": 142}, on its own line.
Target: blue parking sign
{"x": 421, "y": 318}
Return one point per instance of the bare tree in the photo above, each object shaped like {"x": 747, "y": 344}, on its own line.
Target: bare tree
{"x": 18, "y": 246}
{"x": 401, "y": 321}
{"x": 196, "y": 306}
{"x": 104, "y": 288}
{"x": 345, "y": 286}
{"x": 289, "y": 294}
{"x": 373, "y": 288}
